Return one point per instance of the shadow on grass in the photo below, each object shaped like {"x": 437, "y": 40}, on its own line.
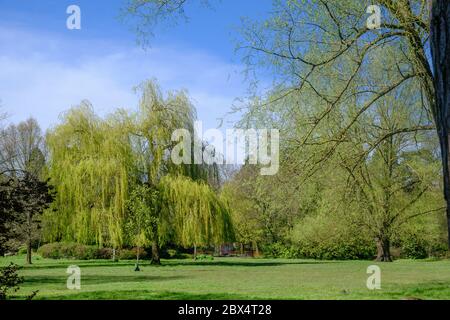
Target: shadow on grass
{"x": 97, "y": 279}
{"x": 240, "y": 263}
{"x": 174, "y": 263}
{"x": 62, "y": 264}
{"x": 147, "y": 295}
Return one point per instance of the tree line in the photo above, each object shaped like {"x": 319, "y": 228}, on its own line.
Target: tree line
{"x": 110, "y": 182}
{"x": 362, "y": 169}
{"x": 336, "y": 82}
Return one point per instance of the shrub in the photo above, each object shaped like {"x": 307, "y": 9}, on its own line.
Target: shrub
{"x": 340, "y": 249}
{"x": 50, "y": 251}
{"x": 205, "y": 257}
{"x": 22, "y": 250}
{"x": 104, "y": 253}
{"x": 9, "y": 280}
{"x": 66, "y": 250}
{"x": 130, "y": 254}
{"x": 74, "y": 251}
{"x": 280, "y": 250}
{"x": 82, "y": 252}
{"x": 329, "y": 237}
{"x": 172, "y": 253}
{"x": 126, "y": 254}
{"x": 415, "y": 246}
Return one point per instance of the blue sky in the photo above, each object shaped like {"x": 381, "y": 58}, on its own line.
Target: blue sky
{"x": 46, "y": 68}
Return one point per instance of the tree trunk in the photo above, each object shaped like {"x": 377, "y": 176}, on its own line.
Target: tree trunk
{"x": 216, "y": 250}
{"x": 384, "y": 250}
{"x": 242, "y": 249}
{"x": 440, "y": 48}
{"x": 195, "y": 252}
{"x": 156, "y": 260}
{"x": 255, "y": 246}
{"x": 29, "y": 252}
{"x": 114, "y": 255}
{"x": 137, "y": 259}
{"x": 29, "y": 237}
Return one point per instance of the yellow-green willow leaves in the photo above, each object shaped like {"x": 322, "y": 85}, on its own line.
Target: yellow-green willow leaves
{"x": 97, "y": 163}
{"x": 91, "y": 160}
{"x": 199, "y": 217}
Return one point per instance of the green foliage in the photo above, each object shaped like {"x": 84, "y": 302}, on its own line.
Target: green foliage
{"x": 204, "y": 257}
{"x": 416, "y": 243}
{"x": 414, "y": 247}
{"x": 143, "y": 216}
{"x": 280, "y": 250}
{"x": 73, "y": 251}
{"x": 7, "y": 216}
{"x": 130, "y": 254}
{"x": 50, "y": 251}
{"x": 90, "y": 163}
{"x": 329, "y": 236}
{"x": 104, "y": 253}
{"x": 375, "y": 170}
{"x": 172, "y": 253}
{"x": 357, "y": 136}
{"x": 82, "y": 252}
{"x": 22, "y": 250}
{"x": 108, "y": 173}
{"x": 9, "y": 280}
{"x": 198, "y": 215}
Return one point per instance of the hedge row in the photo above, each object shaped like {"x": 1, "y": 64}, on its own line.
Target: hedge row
{"x": 84, "y": 252}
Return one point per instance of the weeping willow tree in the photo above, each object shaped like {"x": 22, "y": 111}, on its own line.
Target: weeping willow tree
{"x": 98, "y": 164}
{"x": 154, "y": 124}
{"x": 91, "y": 163}
{"x": 199, "y": 217}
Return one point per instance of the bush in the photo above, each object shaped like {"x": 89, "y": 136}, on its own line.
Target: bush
{"x": 104, "y": 253}
{"x": 205, "y": 257}
{"x": 82, "y": 252}
{"x": 329, "y": 237}
{"x": 22, "y": 250}
{"x": 175, "y": 253}
{"x": 74, "y": 251}
{"x": 280, "y": 250}
{"x": 341, "y": 249}
{"x": 414, "y": 246}
{"x": 50, "y": 251}
{"x": 172, "y": 253}
{"x": 9, "y": 280}
{"x": 66, "y": 250}
{"x": 130, "y": 254}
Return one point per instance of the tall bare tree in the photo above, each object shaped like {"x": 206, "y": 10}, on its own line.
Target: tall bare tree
{"x": 22, "y": 149}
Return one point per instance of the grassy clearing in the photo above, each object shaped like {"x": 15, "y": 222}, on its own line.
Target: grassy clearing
{"x": 235, "y": 278}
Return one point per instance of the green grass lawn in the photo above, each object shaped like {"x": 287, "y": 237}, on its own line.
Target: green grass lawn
{"x": 235, "y": 278}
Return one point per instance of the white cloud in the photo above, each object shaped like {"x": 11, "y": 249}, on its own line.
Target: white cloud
{"x": 43, "y": 75}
